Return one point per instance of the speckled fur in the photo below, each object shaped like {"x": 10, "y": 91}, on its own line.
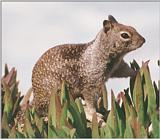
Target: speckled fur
{"x": 84, "y": 67}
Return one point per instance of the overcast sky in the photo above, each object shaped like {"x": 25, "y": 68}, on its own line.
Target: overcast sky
{"x": 31, "y": 28}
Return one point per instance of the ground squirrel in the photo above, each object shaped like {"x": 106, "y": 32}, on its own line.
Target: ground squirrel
{"x": 85, "y": 67}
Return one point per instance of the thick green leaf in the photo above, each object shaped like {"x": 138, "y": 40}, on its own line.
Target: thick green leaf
{"x": 134, "y": 65}
{"x": 112, "y": 119}
{"x": 128, "y": 132}
{"x": 26, "y": 98}
{"x": 17, "y": 105}
{"x": 132, "y": 80}
{"x": 28, "y": 129}
{"x": 52, "y": 110}
{"x": 105, "y": 97}
{"x": 10, "y": 78}
{"x": 82, "y": 112}
{"x": 109, "y": 133}
{"x": 143, "y": 133}
{"x": 6, "y": 71}
{"x": 52, "y": 132}
{"x": 77, "y": 120}
{"x": 159, "y": 84}
{"x": 61, "y": 133}
{"x": 151, "y": 99}
{"x": 13, "y": 132}
{"x": 121, "y": 120}
{"x": 7, "y": 101}
{"x": 58, "y": 111}
{"x": 157, "y": 91}
{"x": 28, "y": 114}
{"x": 13, "y": 73}
{"x": 64, "y": 114}
{"x": 39, "y": 122}
{"x": 137, "y": 128}
{"x": 20, "y": 135}
{"x": 126, "y": 105}
{"x": 102, "y": 132}
{"x": 64, "y": 93}
{"x": 5, "y": 126}
{"x": 95, "y": 130}
{"x": 155, "y": 125}
{"x": 14, "y": 90}
{"x": 133, "y": 113}
{"x": 138, "y": 99}
{"x": 127, "y": 96}
{"x": 149, "y": 88}
{"x": 70, "y": 132}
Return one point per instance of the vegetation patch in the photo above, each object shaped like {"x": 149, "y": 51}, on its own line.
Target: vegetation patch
{"x": 134, "y": 113}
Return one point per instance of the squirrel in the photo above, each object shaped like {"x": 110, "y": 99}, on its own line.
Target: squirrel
{"x": 85, "y": 67}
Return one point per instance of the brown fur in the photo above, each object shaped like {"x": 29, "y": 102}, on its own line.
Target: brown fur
{"x": 85, "y": 67}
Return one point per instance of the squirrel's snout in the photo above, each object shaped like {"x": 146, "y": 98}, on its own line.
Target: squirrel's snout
{"x": 143, "y": 40}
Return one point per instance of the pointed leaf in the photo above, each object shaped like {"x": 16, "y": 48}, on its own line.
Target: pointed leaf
{"x": 126, "y": 105}
{"x": 17, "y": 105}
{"x": 61, "y": 133}
{"x": 108, "y": 132}
{"x": 26, "y": 99}
{"x": 7, "y": 101}
{"x": 151, "y": 99}
{"x": 70, "y": 132}
{"x": 138, "y": 99}
{"x": 78, "y": 123}
{"x": 135, "y": 124}
{"x": 64, "y": 93}
{"x": 6, "y": 71}
{"x": 112, "y": 119}
{"x": 13, "y": 132}
{"x": 121, "y": 120}
{"x": 64, "y": 114}
{"x": 58, "y": 111}
{"x": 82, "y": 112}
{"x": 128, "y": 132}
{"x": 105, "y": 97}
{"x": 5, "y": 126}
{"x": 95, "y": 131}
{"x": 20, "y": 135}
{"x": 28, "y": 129}
{"x": 52, "y": 110}
{"x": 52, "y": 132}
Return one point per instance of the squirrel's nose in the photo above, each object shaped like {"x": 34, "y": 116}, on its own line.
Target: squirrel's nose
{"x": 143, "y": 39}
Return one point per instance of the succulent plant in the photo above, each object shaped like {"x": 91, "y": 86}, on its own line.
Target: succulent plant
{"x": 134, "y": 113}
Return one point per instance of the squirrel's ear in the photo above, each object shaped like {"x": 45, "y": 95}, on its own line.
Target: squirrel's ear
{"x": 112, "y": 19}
{"x": 107, "y": 25}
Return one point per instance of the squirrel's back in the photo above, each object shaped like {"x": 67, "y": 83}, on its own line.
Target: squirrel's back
{"x": 60, "y": 63}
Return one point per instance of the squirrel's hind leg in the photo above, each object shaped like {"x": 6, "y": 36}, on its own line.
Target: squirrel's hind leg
{"x": 90, "y": 109}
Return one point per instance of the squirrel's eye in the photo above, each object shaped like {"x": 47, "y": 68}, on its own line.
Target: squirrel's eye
{"x": 125, "y": 35}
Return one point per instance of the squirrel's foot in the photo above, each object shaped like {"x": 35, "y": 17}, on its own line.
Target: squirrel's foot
{"x": 89, "y": 115}
{"x": 100, "y": 120}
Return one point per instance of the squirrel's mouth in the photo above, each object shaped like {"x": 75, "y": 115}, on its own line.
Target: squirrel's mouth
{"x": 138, "y": 44}
{"x": 141, "y": 41}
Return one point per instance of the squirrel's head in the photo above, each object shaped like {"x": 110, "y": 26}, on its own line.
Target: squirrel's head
{"x": 122, "y": 38}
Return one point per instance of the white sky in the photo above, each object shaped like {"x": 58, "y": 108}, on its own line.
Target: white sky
{"x": 31, "y": 28}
